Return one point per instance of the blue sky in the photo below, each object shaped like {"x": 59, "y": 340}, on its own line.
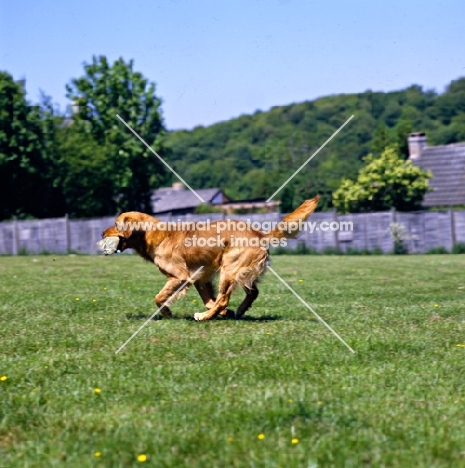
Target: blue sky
{"x": 213, "y": 60}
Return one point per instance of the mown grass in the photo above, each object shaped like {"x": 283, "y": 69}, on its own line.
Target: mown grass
{"x": 188, "y": 394}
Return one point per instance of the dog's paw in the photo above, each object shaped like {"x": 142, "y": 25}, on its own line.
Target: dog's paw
{"x": 166, "y": 313}
{"x": 200, "y": 316}
{"x": 228, "y": 314}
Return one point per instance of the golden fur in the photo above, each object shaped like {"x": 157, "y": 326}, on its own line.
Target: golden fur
{"x": 236, "y": 265}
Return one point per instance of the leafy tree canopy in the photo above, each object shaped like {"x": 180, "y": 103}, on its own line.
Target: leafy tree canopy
{"x": 90, "y": 164}
{"x": 124, "y": 170}
{"x": 385, "y": 182}
{"x": 26, "y": 185}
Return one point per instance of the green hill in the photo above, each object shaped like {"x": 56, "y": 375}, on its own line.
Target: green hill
{"x": 252, "y": 155}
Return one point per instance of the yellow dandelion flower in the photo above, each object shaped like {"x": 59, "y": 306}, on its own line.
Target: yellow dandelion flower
{"x": 194, "y": 300}
{"x": 295, "y": 441}
{"x": 141, "y": 458}
{"x": 94, "y": 300}
{"x": 290, "y": 400}
{"x": 104, "y": 289}
{"x": 77, "y": 298}
{"x": 268, "y": 333}
{"x": 97, "y": 454}
{"x": 460, "y": 345}
{"x": 279, "y": 297}
{"x": 301, "y": 281}
{"x": 97, "y": 390}
{"x": 261, "y": 436}
{"x": 320, "y": 403}
{"x": 3, "y": 378}
{"x": 121, "y": 297}
{"x": 435, "y": 305}
{"x": 230, "y": 439}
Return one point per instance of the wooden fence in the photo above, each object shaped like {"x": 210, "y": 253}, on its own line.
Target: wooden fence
{"x": 423, "y": 230}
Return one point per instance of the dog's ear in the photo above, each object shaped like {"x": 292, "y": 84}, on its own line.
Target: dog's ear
{"x": 124, "y": 226}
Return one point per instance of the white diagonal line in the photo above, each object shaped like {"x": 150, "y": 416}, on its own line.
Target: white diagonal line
{"x": 310, "y": 308}
{"x": 312, "y": 156}
{"x": 158, "y": 310}
{"x": 162, "y": 160}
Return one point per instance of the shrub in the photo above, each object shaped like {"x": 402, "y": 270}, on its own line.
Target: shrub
{"x": 384, "y": 183}
{"x": 437, "y": 250}
{"x": 301, "y": 249}
{"x": 206, "y": 208}
{"x": 332, "y": 251}
{"x": 459, "y": 248}
{"x": 354, "y": 251}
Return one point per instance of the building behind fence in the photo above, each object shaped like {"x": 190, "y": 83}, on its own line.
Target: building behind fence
{"x": 423, "y": 230}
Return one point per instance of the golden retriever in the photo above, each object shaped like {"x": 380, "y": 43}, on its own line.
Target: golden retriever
{"x": 179, "y": 253}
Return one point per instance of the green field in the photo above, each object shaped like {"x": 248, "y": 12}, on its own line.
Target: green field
{"x": 276, "y": 389}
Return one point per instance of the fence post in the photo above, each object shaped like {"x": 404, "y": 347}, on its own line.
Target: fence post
{"x": 15, "y": 236}
{"x": 365, "y": 230}
{"x": 336, "y": 232}
{"x": 438, "y": 230}
{"x": 393, "y": 220}
{"x": 452, "y": 228}
{"x": 41, "y": 236}
{"x": 67, "y": 234}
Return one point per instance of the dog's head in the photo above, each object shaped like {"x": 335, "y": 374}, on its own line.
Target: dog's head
{"x": 127, "y": 233}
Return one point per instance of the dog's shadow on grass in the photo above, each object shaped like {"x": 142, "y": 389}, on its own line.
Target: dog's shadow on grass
{"x": 190, "y": 318}
{"x": 263, "y": 318}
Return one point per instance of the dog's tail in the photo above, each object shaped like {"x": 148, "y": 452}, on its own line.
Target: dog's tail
{"x": 291, "y": 225}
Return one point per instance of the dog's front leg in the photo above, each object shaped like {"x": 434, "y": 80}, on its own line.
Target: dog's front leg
{"x": 165, "y": 294}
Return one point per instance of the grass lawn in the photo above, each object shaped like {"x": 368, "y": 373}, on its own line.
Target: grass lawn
{"x": 276, "y": 389}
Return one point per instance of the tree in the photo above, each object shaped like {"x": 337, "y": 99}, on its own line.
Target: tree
{"x": 26, "y": 170}
{"x": 287, "y": 198}
{"x": 384, "y": 183}
{"x": 456, "y": 86}
{"x": 279, "y": 140}
{"x": 403, "y": 129}
{"x": 131, "y": 170}
{"x": 83, "y": 172}
{"x": 381, "y": 139}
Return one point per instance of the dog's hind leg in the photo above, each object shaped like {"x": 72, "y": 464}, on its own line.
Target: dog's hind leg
{"x": 207, "y": 294}
{"x": 225, "y": 290}
{"x": 251, "y": 295}
{"x": 165, "y": 294}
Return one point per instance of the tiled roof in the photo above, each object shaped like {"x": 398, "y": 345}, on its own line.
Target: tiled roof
{"x": 447, "y": 163}
{"x": 165, "y": 200}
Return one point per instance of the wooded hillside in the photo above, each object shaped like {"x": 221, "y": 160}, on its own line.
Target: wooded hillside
{"x": 252, "y": 155}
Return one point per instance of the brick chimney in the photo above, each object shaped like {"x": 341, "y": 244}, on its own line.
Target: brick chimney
{"x": 416, "y": 144}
